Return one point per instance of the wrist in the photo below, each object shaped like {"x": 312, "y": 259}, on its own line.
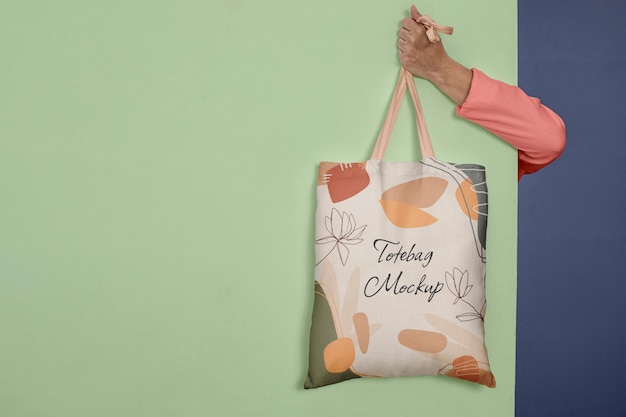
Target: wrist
{"x": 453, "y": 79}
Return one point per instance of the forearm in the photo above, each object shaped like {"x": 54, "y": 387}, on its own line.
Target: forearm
{"x": 453, "y": 79}
{"x": 505, "y": 110}
{"x": 522, "y": 121}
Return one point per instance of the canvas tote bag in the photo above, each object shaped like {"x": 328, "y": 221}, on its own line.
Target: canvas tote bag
{"x": 400, "y": 265}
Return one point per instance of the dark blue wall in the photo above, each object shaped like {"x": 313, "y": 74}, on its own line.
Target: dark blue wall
{"x": 571, "y": 337}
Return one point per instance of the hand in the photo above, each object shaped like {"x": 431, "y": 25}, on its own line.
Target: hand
{"x": 430, "y": 60}
{"x": 417, "y": 54}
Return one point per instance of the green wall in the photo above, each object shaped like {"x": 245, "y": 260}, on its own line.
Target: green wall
{"x": 157, "y": 176}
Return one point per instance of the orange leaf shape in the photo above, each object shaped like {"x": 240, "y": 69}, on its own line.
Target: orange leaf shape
{"x": 423, "y": 340}
{"x": 422, "y": 192}
{"x": 405, "y": 215}
{"x": 339, "y": 355}
{"x": 467, "y": 199}
{"x": 362, "y": 329}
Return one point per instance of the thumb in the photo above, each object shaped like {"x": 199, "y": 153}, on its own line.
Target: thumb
{"x": 414, "y": 13}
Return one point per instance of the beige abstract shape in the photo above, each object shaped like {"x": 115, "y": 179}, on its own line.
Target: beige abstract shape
{"x": 423, "y": 340}
{"x": 452, "y": 350}
{"x": 362, "y": 329}
{"x": 350, "y": 299}
{"x": 473, "y": 343}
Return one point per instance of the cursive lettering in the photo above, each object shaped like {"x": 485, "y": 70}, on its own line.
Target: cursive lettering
{"x": 375, "y": 285}
{"x": 389, "y": 252}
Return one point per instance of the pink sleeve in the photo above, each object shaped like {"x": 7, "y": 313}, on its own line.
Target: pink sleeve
{"x": 537, "y": 132}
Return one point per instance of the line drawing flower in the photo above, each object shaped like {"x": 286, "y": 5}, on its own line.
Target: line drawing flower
{"x": 342, "y": 231}
{"x": 458, "y": 284}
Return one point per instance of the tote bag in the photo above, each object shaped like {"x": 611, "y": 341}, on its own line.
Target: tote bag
{"x": 400, "y": 265}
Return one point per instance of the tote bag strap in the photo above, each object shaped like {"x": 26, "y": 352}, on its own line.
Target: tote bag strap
{"x": 406, "y": 79}
{"x": 426, "y": 147}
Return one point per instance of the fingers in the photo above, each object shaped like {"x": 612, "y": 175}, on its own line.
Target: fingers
{"x": 411, "y": 31}
{"x": 411, "y": 35}
{"x": 401, "y": 44}
{"x": 414, "y": 13}
{"x": 408, "y": 23}
{"x": 410, "y": 26}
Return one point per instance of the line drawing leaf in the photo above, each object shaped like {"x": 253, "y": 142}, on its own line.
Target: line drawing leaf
{"x": 469, "y": 316}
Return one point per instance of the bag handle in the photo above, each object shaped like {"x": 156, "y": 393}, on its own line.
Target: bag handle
{"x": 406, "y": 79}
{"x": 426, "y": 147}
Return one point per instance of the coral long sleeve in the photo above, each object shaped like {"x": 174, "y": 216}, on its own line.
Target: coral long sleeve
{"x": 536, "y": 131}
